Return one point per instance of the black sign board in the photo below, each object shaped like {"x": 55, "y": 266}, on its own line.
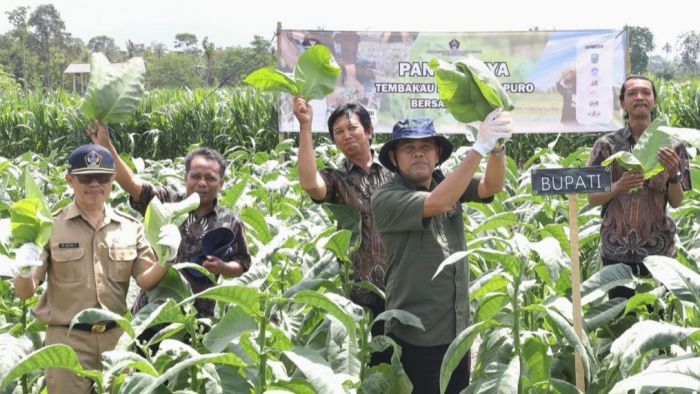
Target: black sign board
{"x": 571, "y": 180}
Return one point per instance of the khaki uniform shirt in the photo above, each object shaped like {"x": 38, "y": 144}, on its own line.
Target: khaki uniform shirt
{"x": 352, "y": 187}
{"x": 415, "y": 247}
{"x": 88, "y": 268}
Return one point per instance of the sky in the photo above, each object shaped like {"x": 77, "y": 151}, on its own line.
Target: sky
{"x": 234, "y": 23}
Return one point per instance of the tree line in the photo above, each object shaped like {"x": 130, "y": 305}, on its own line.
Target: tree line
{"x": 38, "y": 48}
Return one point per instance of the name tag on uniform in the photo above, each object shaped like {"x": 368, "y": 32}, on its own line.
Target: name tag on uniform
{"x": 68, "y": 245}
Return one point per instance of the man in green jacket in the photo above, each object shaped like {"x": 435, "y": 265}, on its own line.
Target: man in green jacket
{"x": 419, "y": 217}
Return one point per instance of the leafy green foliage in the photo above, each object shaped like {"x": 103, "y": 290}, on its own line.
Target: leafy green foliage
{"x": 30, "y": 218}
{"x": 294, "y": 295}
{"x": 114, "y": 92}
{"x": 314, "y": 75}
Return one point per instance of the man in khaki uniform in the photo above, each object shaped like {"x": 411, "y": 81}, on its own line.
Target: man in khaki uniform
{"x": 92, "y": 253}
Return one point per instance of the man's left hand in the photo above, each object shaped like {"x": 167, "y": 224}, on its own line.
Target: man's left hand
{"x": 215, "y": 265}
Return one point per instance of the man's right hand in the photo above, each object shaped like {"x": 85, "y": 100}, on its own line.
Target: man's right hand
{"x": 303, "y": 112}
{"x": 99, "y": 134}
{"x": 628, "y": 181}
{"x": 498, "y": 124}
{"x": 27, "y": 259}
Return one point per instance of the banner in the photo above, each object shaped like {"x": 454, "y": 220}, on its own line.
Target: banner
{"x": 560, "y": 81}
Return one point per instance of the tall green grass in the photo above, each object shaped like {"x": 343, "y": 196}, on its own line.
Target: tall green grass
{"x": 166, "y": 123}
{"x": 169, "y": 121}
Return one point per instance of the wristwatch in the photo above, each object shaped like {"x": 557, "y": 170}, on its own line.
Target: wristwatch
{"x": 675, "y": 179}
{"x": 498, "y": 151}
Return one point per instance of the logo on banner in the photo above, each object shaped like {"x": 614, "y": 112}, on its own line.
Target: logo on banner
{"x": 454, "y": 44}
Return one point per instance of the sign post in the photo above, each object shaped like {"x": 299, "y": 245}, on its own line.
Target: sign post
{"x": 571, "y": 181}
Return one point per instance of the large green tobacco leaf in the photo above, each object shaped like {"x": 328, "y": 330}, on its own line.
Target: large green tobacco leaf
{"x": 607, "y": 278}
{"x": 644, "y": 156}
{"x": 647, "y": 148}
{"x": 567, "y": 329}
{"x": 338, "y": 243}
{"x": 537, "y": 361}
{"x": 628, "y": 349}
{"x": 690, "y": 136}
{"x": 116, "y": 362}
{"x": 503, "y": 379}
{"x": 31, "y": 221}
{"x": 256, "y": 221}
{"x": 317, "y": 372}
{"x": 314, "y": 77}
{"x": 626, "y": 160}
{"x": 331, "y": 303}
{"x": 678, "y": 279}
{"x": 273, "y": 80}
{"x": 499, "y": 220}
{"x": 457, "y": 92}
{"x": 455, "y": 257}
{"x": 30, "y": 218}
{"x": 459, "y": 348}
{"x": 469, "y": 89}
{"x": 316, "y": 73}
{"x": 348, "y": 218}
{"x": 172, "y": 285}
{"x": 679, "y": 372}
{"x": 492, "y": 281}
{"x": 234, "y": 323}
{"x": 386, "y": 379}
{"x": 490, "y": 305}
{"x": 113, "y": 92}
{"x": 246, "y": 297}
{"x": 158, "y": 214}
{"x": 490, "y": 88}
{"x": 136, "y": 382}
{"x": 12, "y": 350}
{"x": 193, "y": 361}
{"x": 155, "y": 314}
{"x": 406, "y": 318}
{"x": 52, "y": 356}
{"x": 603, "y": 313}
{"x": 342, "y": 350}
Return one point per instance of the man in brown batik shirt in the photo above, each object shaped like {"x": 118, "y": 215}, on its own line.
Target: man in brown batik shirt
{"x": 204, "y": 174}
{"x": 360, "y": 175}
{"x": 636, "y": 223}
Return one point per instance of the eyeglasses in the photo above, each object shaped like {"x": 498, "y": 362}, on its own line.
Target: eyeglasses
{"x": 87, "y": 179}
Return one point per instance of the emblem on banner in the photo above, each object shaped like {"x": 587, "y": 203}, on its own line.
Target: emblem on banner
{"x": 454, "y": 44}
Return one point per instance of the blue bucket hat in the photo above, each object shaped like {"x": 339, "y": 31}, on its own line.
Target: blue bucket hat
{"x": 414, "y": 129}
{"x": 91, "y": 159}
{"x": 217, "y": 242}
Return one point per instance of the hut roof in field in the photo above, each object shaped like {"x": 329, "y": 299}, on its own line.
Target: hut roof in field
{"x": 84, "y": 68}
{"x": 77, "y": 68}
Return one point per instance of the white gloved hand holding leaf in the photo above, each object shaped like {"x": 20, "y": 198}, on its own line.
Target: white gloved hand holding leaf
{"x": 498, "y": 124}
{"x": 158, "y": 215}
{"x": 27, "y": 259}
{"x": 169, "y": 237}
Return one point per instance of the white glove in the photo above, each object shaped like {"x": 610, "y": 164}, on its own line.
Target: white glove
{"x": 169, "y": 237}
{"x": 27, "y": 258}
{"x": 498, "y": 124}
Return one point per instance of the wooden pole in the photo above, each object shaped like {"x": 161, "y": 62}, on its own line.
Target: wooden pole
{"x": 576, "y": 288}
